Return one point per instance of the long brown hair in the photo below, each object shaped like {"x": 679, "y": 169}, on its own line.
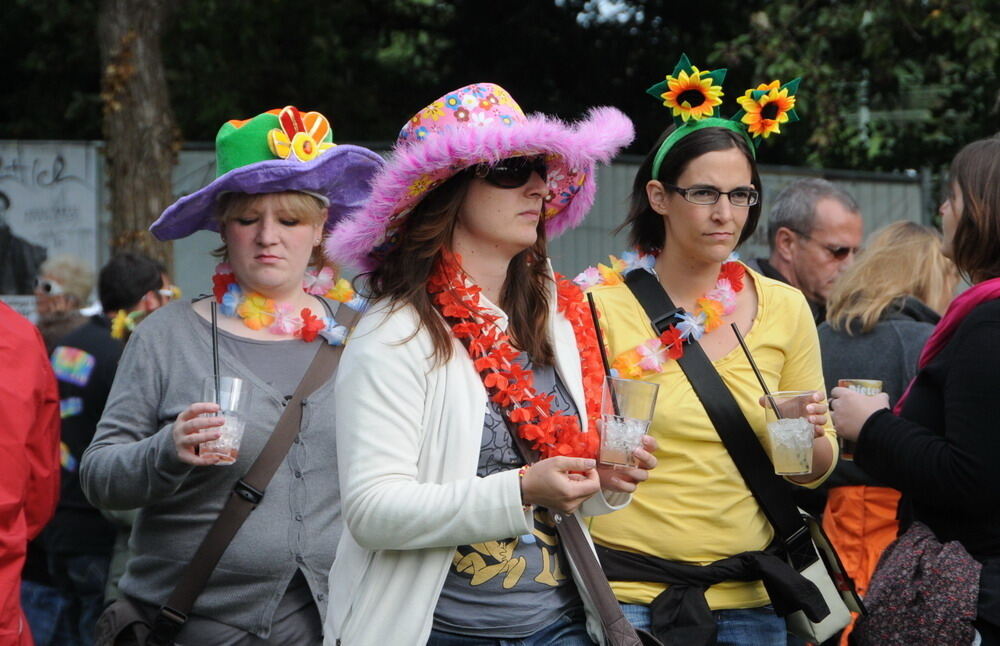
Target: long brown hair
{"x": 402, "y": 276}
{"x": 976, "y": 245}
{"x": 901, "y": 259}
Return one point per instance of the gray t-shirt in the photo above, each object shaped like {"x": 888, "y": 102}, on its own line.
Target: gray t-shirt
{"x": 512, "y": 587}
{"x": 279, "y": 364}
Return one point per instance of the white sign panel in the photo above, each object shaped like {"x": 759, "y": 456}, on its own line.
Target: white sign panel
{"x": 48, "y": 199}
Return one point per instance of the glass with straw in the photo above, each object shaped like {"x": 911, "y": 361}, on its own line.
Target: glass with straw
{"x": 232, "y": 395}
{"x": 627, "y": 407}
{"x": 790, "y": 433}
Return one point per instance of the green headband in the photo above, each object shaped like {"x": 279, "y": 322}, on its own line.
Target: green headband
{"x": 688, "y": 128}
{"x": 695, "y": 96}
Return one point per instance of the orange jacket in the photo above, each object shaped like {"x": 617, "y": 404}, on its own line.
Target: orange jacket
{"x": 860, "y": 522}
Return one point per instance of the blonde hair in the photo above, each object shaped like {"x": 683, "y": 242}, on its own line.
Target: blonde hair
{"x": 299, "y": 205}
{"x": 74, "y": 276}
{"x": 901, "y": 259}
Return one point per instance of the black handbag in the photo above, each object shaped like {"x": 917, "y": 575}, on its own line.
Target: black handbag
{"x": 122, "y": 623}
{"x": 807, "y": 548}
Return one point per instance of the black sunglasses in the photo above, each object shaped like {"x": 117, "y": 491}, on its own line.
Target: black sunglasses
{"x": 839, "y": 253}
{"x": 513, "y": 172}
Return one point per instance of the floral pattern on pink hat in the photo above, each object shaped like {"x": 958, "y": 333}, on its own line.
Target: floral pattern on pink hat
{"x": 479, "y": 123}
{"x": 478, "y": 106}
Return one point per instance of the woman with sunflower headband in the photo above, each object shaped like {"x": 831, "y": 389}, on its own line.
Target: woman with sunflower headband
{"x": 281, "y": 186}
{"x": 474, "y": 362}
{"x": 696, "y": 197}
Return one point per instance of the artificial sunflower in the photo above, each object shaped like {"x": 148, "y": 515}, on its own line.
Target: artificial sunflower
{"x": 692, "y": 96}
{"x": 768, "y": 106}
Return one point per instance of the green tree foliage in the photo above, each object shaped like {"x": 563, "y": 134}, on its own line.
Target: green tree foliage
{"x": 888, "y": 84}
{"x": 51, "y": 70}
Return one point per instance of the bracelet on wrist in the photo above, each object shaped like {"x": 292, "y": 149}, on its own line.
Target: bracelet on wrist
{"x": 520, "y": 475}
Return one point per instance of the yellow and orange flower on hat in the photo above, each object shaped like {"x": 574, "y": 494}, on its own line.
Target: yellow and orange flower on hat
{"x": 300, "y": 136}
{"x": 692, "y": 96}
{"x": 767, "y": 107}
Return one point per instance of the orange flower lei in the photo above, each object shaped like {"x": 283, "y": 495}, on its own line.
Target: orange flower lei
{"x": 507, "y": 383}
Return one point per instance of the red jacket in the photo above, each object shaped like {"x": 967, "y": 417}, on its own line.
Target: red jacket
{"x": 29, "y": 458}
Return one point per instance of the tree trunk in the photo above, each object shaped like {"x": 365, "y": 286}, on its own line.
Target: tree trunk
{"x": 140, "y": 133}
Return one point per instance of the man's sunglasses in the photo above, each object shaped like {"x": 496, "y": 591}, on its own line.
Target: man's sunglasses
{"x": 47, "y": 286}
{"x": 839, "y": 253}
{"x": 513, "y": 172}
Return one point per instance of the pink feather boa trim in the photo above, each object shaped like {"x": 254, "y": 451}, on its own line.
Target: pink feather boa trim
{"x": 597, "y": 138}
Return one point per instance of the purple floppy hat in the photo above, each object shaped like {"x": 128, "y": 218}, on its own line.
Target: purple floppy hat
{"x": 475, "y": 124}
{"x": 279, "y": 150}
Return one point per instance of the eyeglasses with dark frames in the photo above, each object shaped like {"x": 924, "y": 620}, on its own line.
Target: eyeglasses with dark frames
{"x": 839, "y": 253}
{"x": 513, "y": 172}
{"x": 706, "y": 195}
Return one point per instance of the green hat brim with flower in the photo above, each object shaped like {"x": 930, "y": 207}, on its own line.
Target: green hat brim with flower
{"x": 276, "y": 151}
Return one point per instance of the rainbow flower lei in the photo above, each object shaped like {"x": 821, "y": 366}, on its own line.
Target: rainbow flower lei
{"x": 506, "y": 382}
{"x": 259, "y": 312}
{"x": 651, "y": 356}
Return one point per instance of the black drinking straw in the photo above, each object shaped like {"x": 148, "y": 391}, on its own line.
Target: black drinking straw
{"x": 756, "y": 370}
{"x": 215, "y": 356}
{"x": 604, "y": 354}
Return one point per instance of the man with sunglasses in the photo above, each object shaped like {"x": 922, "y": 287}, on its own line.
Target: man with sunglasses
{"x": 79, "y": 539}
{"x": 814, "y": 231}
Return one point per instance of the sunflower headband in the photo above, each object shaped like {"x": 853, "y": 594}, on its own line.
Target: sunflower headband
{"x": 695, "y": 96}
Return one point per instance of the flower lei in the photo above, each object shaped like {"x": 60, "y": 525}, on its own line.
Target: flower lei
{"x": 650, "y": 356}
{"x": 124, "y": 322}
{"x": 507, "y": 383}
{"x": 259, "y": 312}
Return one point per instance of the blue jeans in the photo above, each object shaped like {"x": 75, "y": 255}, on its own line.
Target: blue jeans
{"x": 81, "y": 579}
{"x": 739, "y": 627}
{"x": 569, "y": 630}
{"x": 42, "y": 606}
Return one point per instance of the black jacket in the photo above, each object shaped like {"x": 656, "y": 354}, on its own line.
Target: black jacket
{"x": 84, "y": 361}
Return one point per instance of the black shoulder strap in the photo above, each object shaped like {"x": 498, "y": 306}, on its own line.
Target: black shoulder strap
{"x": 772, "y": 493}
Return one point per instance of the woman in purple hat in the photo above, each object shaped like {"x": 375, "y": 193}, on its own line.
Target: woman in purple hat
{"x": 475, "y": 362}
{"x": 281, "y": 184}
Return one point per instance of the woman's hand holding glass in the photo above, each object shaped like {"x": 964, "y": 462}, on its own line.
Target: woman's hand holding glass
{"x": 561, "y": 484}
{"x": 816, "y": 412}
{"x": 850, "y": 410}
{"x": 625, "y": 480}
{"x": 191, "y": 429}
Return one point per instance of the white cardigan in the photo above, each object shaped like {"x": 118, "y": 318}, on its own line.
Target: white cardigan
{"x": 408, "y": 443}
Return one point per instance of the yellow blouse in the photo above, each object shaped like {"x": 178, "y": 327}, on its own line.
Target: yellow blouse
{"x": 695, "y": 506}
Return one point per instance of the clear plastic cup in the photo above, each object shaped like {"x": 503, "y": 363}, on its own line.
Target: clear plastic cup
{"x": 789, "y": 433}
{"x": 234, "y": 400}
{"x": 626, "y": 410}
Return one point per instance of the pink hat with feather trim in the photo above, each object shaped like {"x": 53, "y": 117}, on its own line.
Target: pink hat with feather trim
{"x": 479, "y": 123}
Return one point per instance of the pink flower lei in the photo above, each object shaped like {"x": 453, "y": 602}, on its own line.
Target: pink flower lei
{"x": 261, "y": 313}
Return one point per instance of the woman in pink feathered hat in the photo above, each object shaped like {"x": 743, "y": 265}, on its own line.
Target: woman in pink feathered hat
{"x": 468, "y": 394}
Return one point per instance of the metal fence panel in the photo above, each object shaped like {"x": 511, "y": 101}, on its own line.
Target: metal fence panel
{"x": 882, "y": 197}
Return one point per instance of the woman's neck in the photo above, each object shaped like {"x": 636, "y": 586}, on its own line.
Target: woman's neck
{"x": 686, "y": 280}
{"x": 487, "y": 269}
